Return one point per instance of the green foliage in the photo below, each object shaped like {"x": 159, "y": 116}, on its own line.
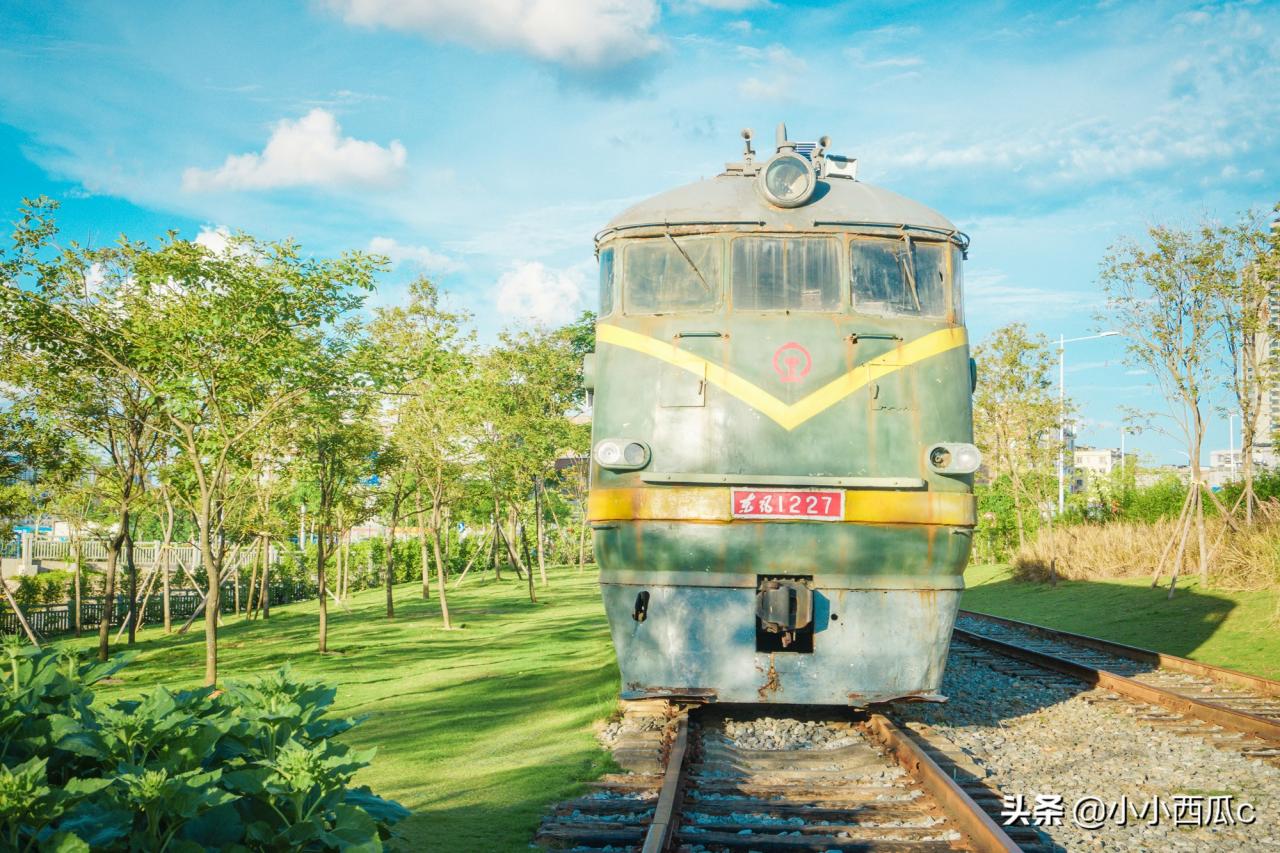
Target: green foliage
{"x": 1162, "y": 499}
{"x": 996, "y": 537}
{"x": 254, "y": 768}
{"x": 1266, "y": 487}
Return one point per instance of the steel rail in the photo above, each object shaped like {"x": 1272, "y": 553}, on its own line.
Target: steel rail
{"x": 1264, "y": 686}
{"x": 666, "y": 815}
{"x": 1240, "y": 721}
{"x": 983, "y": 833}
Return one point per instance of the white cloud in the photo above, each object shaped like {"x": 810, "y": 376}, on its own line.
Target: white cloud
{"x": 992, "y": 300}
{"x": 421, "y": 257}
{"x": 94, "y": 277}
{"x": 576, "y": 33}
{"x": 778, "y": 67}
{"x": 213, "y": 239}
{"x": 766, "y": 90}
{"x": 531, "y": 291}
{"x": 308, "y": 152}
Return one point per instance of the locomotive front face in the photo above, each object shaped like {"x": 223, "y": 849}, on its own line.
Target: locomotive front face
{"x": 781, "y": 486}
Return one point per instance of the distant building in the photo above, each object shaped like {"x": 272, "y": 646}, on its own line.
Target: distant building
{"x": 1093, "y": 462}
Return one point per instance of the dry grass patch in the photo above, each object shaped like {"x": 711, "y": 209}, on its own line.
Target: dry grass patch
{"x": 1248, "y": 559}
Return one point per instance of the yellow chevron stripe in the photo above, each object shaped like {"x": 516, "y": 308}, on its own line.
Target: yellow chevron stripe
{"x": 787, "y": 416}
{"x": 713, "y": 504}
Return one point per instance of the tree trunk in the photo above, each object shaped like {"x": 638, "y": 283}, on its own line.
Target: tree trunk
{"x": 322, "y": 589}
{"x": 264, "y": 597}
{"x": 493, "y": 547}
{"x": 75, "y": 581}
{"x": 235, "y": 586}
{"x": 109, "y": 589}
{"x": 212, "y": 596}
{"x": 250, "y": 593}
{"x": 435, "y": 542}
{"x": 540, "y": 531}
{"x": 523, "y": 533}
{"x": 165, "y": 588}
{"x": 132, "y": 569}
{"x": 167, "y": 548}
{"x": 582, "y": 544}
{"x": 422, "y": 545}
{"x": 391, "y": 563}
{"x": 1192, "y": 507}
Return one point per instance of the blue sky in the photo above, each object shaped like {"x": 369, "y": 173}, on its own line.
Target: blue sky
{"x": 484, "y": 142}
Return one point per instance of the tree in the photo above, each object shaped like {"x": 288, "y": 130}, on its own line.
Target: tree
{"x": 1017, "y": 417}
{"x": 1247, "y": 328}
{"x": 222, "y": 341}
{"x": 1165, "y": 294}
{"x": 527, "y": 386}
{"x": 436, "y": 415}
{"x": 70, "y": 323}
{"x": 336, "y": 444}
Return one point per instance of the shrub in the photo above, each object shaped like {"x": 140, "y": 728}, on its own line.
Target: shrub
{"x": 254, "y": 768}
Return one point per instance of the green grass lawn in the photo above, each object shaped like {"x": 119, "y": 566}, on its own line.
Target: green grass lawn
{"x": 1231, "y": 629}
{"x": 477, "y": 730}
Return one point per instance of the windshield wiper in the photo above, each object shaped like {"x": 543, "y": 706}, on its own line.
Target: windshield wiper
{"x": 907, "y": 267}
{"x": 685, "y": 255}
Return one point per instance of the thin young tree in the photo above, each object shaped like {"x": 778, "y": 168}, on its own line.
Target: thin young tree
{"x": 1017, "y": 417}
{"x": 436, "y": 416}
{"x": 336, "y": 443}
{"x": 1247, "y": 327}
{"x": 1163, "y": 294}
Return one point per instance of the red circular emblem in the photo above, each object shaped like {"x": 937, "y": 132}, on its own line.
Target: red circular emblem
{"x": 792, "y": 362}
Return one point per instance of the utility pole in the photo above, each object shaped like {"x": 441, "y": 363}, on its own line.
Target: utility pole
{"x": 1062, "y": 411}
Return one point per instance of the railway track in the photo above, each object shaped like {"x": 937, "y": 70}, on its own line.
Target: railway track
{"x": 1231, "y": 710}
{"x": 858, "y": 783}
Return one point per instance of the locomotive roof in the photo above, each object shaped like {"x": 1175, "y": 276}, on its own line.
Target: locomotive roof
{"x": 733, "y": 198}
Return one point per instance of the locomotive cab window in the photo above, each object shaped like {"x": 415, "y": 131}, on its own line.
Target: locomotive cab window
{"x": 791, "y": 274}
{"x": 899, "y": 277}
{"x": 672, "y": 274}
{"x": 606, "y": 282}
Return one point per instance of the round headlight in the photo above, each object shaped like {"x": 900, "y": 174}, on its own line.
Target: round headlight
{"x": 787, "y": 180}
{"x": 608, "y": 453}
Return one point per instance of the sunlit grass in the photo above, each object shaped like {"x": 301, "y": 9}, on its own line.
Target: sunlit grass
{"x": 477, "y": 730}
{"x": 1231, "y": 629}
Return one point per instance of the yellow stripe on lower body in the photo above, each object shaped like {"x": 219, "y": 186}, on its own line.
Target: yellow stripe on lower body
{"x": 713, "y": 504}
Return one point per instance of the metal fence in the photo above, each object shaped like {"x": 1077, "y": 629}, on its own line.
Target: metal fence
{"x": 50, "y": 619}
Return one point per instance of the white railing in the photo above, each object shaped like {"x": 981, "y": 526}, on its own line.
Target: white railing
{"x": 31, "y": 550}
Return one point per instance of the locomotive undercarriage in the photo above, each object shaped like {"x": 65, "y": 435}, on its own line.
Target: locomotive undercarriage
{"x": 686, "y": 625}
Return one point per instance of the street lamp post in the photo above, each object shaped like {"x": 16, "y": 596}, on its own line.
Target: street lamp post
{"x": 1062, "y": 411}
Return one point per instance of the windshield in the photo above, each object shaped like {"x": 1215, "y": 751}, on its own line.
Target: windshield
{"x": 793, "y": 274}
{"x": 887, "y": 280}
{"x": 606, "y": 282}
{"x": 669, "y": 274}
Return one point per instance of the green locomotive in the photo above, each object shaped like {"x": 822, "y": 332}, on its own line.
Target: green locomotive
{"x": 782, "y": 458}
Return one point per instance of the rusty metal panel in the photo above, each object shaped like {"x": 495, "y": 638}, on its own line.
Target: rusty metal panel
{"x": 682, "y": 386}
{"x": 701, "y": 640}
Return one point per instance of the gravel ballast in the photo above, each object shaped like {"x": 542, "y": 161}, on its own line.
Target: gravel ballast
{"x": 1035, "y": 738}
